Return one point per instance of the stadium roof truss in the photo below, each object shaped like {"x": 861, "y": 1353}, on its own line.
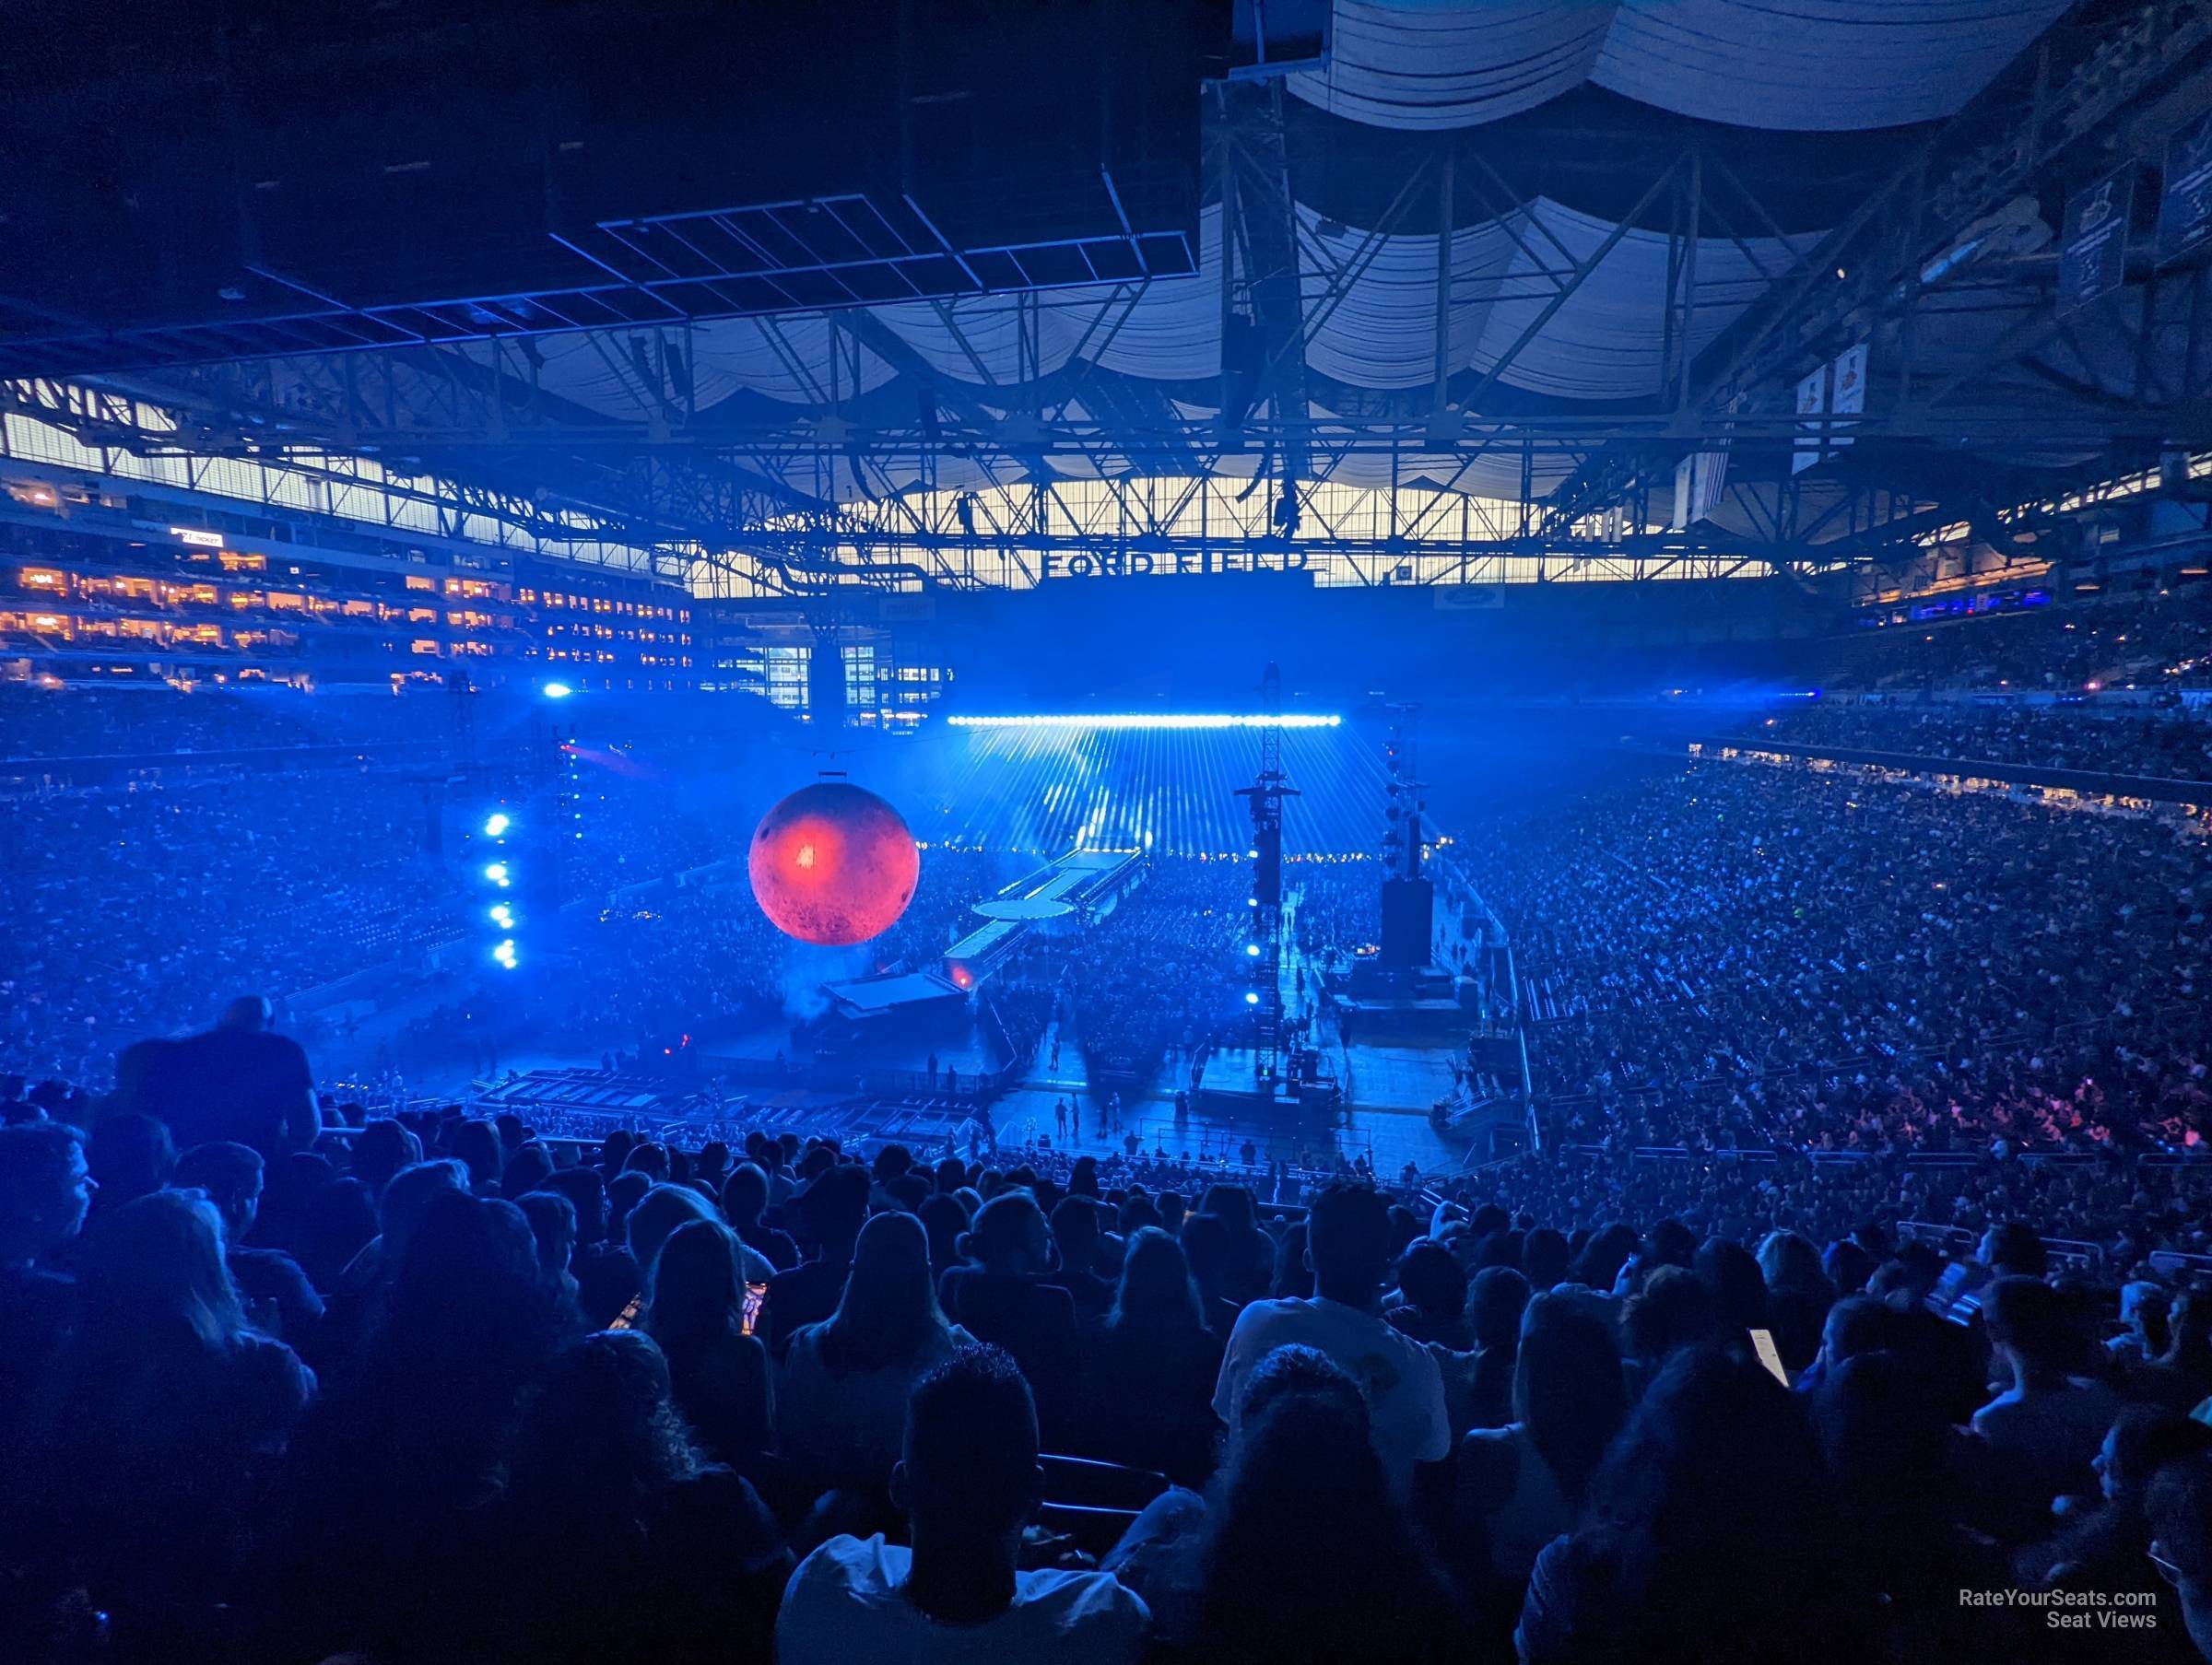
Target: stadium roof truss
{"x": 1388, "y": 352}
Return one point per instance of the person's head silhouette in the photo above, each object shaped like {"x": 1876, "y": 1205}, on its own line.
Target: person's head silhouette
{"x": 968, "y": 1481}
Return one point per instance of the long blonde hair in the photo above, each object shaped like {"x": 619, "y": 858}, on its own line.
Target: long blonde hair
{"x": 157, "y": 1266}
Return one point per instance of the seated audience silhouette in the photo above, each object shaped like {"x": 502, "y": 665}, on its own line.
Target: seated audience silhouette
{"x": 2043, "y": 1430}
{"x": 1706, "y": 1536}
{"x": 694, "y": 1309}
{"x": 45, "y": 1192}
{"x": 1347, "y": 1245}
{"x": 146, "y": 1448}
{"x": 968, "y": 1481}
{"x": 1152, "y": 1366}
{"x": 1005, "y": 1295}
{"x": 602, "y": 1490}
{"x": 842, "y": 1408}
{"x": 269, "y": 1281}
{"x": 1305, "y": 1557}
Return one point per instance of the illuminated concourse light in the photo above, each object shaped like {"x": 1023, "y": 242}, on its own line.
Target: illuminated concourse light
{"x": 496, "y": 824}
{"x": 497, "y": 873}
{"x": 1139, "y": 719}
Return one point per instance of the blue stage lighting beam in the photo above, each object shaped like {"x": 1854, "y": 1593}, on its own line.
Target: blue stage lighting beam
{"x": 1199, "y": 719}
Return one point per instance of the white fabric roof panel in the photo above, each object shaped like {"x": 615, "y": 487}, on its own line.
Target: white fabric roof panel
{"x": 1412, "y": 65}
{"x": 1169, "y": 330}
{"x": 1607, "y": 340}
{"x": 986, "y": 350}
{"x": 785, "y": 357}
{"x": 1173, "y": 331}
{"x": 1604, "y": 343}
{"x": 1382, "y": 332}
{"x": 1820, "y": 65}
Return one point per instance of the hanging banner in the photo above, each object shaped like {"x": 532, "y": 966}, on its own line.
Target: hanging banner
{"x": 2093, "y": 249}
{"x": 1847, "y": 382}
{"x": 1711, "y": 480}
{"x": 1700, "y": 480}
{"x": 1812, "y": 400}
{"x": 2185, "y": 194}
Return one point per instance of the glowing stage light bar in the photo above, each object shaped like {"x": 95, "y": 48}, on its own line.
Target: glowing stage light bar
{"x": 1139, "y": 719}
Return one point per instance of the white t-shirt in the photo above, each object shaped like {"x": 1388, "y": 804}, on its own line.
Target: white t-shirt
{"x": 845, "y": 1606}
{"x": 1404, "y": 1389}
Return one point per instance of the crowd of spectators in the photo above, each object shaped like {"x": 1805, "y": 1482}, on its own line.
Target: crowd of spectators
{"x": 1335, "y": 916}
{"x": 132, "y": 892}
{"x": 1697, "y": 969}
{"x": 2145, "y": 639}
{"x": 434, "y": 1388}
{"x": 40, "y": 723}
{"x": 1155, "y": 977}
{"x": 125, "y": 906}
{"x": 1863, "y": 1265}
{"x": 2174, "y": 744}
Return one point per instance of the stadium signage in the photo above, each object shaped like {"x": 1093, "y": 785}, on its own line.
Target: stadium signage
{"x": 1139, "y": 563}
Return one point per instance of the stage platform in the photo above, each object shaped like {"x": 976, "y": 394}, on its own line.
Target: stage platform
{"x": 1406, "y": 1080}
{"x": 895, "y": 994}
{"x": 1065, "y": 895}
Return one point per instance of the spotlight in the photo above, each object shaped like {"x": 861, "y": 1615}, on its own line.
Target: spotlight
{"x": 1252, "y": 997}
{"x": 556, "y": 690}
{"x": 497, "y": 873}
{"x": 1253, "y": 949}
{"x": 1252, "y": 901}
{"x": 503, "y": 916}
{"x": 496, "y": 824}
{"x": 504, "y": 953}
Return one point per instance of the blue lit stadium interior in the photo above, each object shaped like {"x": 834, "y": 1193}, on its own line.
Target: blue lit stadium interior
{"x": 1214, "y": 832}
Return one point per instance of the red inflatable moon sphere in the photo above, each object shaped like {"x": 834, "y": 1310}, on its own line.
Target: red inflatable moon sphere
{"x": 834, "y": 863}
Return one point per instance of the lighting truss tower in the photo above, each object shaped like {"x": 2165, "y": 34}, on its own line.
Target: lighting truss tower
{"x": 1408, "y": 899}
{"x": 1264, "y": 797}
{"x": 461, "y": 713}
{"x": 553, "y": 794}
